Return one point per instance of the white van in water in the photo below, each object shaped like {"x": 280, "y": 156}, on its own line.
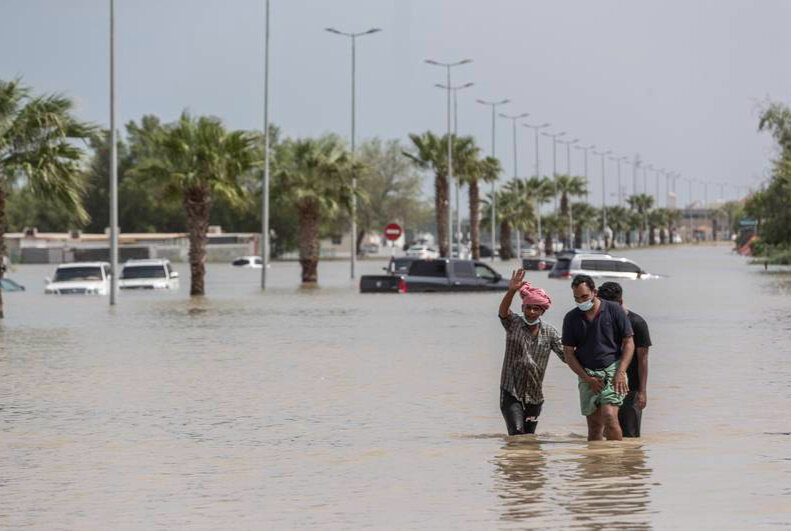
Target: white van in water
{"x": 148, "y": 274}
{"x": 597, "y": 265}
{"x": 80, "y": 278}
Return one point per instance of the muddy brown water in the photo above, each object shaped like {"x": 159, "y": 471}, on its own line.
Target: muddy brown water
{"x": 325, "y": 408}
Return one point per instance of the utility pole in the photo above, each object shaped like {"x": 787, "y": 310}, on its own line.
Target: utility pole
{"x": 494, "y": 105}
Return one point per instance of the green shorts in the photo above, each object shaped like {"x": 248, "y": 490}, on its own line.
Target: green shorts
{"x": 589, "y": 400}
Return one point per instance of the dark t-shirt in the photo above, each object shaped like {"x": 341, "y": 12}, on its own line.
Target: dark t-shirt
{"x": 641, "y": 339}
{"x": 598, "y": 341}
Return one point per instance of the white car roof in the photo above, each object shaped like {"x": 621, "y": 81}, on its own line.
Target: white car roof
{"x": 83, "y": 264}
{"x": 251, "y": 257}
{"x": 145, "y": 262}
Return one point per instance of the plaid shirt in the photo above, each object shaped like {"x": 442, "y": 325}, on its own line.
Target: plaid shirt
{"x": 526, "y": 358}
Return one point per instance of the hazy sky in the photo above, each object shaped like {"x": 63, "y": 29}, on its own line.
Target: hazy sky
{"x": 677, "y": 82}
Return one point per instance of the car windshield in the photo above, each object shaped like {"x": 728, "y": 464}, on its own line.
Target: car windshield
{"x": 67, "y": 274}
{"x": 401, "y": 265}
{"x": 141, "y": 271}
{"x": 240, "y": 262}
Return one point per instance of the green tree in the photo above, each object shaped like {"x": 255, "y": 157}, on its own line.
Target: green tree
{"x": 540, "y": 190}
{"x": 479, "y": 171}
{"x": 641, "y": 203}
{"x": 513, "y": 211}
{"x": 197, "y": 161}
{"x": 569, "y": 187}
{"x": 585, "y": 217}
{"x": 38, "y": 149}
{"x": 618, "y": 221}
{"x": 431, "y": 153}
{"x": 314, "y": 176}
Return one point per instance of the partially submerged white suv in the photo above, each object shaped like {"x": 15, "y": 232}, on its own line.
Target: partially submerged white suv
{"x": 571, "y": 264}
{"x": 148, "y": 274}
{"x": 80, "y": 278}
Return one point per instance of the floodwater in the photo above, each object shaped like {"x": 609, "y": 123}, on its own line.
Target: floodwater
{"x": 325, "y": 408}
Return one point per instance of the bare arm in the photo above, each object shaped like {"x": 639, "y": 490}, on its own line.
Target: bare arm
{"x": 517, "y": 279}
{"x": 627, "y": 349}
{"x": 570, "y": 357}
{"x": 642, "y": 369}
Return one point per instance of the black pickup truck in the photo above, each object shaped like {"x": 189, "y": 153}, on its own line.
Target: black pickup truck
{"x": 435, "y": 275}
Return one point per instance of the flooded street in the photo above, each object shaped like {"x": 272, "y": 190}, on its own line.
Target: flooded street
{"x": 326, "y": 408}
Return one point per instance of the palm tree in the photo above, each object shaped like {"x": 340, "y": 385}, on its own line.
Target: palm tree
{"x": 315, "y": 177}
{"x": 569, "y": 186}
{"x": 37, "y": 144}
{"x": 514, "y": 211}
{"x": 641, "y": 203}
{"x": 431, "y": 153}
{"x": 196, "y": 160}
{"x": 555, "y": 224}
{"x": 585, "y": 216}
{"x": 634, "y": 222}
{"x": 540, "y": 190}
{"x": 480, "y": 171}
{"x": 618, "y": 220}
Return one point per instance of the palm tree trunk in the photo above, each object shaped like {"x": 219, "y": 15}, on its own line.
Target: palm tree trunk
{"x": 308, "y": 213}
{"x": 578, "y": 237}
{"x": 662, "y": 236}
{"x": 441, "y": 208}
{"x": 651, "y": 235}
{"x": 475, "y": 220}
{"x": 629, "y": 237}
{"x": 2, "y": 242}
{"x": 548, "y": 250}
{"x": 506, "y": 253}
{"x": 197, "y": 206}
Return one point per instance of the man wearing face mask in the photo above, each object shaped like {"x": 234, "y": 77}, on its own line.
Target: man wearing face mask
{"x": 598, "y": 346}
{"x": 528, "y": 342}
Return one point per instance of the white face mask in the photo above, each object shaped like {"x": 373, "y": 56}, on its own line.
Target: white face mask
{"x": 531, "y": 323}
{"x": 585, "y": 306}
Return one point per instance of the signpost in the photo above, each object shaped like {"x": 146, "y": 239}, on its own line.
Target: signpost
{"x": 392, "y": 232}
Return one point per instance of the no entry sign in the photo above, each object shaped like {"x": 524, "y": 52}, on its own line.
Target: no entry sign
{"x": 393, "y": 232}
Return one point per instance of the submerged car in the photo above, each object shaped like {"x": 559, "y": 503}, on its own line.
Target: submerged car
{"x": 570, "y": 264}
{"x": 423, "y": 252}
{"x": 6, "y": 284}
{"x": 80, "y": 278}
{"x": 148, "y": 274}
{"x": 254, "y": 262}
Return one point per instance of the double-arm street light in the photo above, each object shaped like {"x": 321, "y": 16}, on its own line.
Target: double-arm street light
{"x": 554, "y": 137}
{"x": 619, "y": 160}
{"x": 265, "y": 177}
{"x": 353, "y": 38}
{"x": 514, "y": 118}
{"x": 585, "y": 150}
{"x": 570, "y": 143}
{"x": 603, "y": 155}
{"x": 113, "y": 168}
{"x": 494, "y": 105}
{"x": 536, "y": 129}
{"x": 449, "y": 87}
{"x": 455, "y": 91}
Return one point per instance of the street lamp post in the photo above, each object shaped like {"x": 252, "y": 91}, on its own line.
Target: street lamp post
{"x": 113, "y": 168}
{"x": 455, "y": 91}
{"x": 447, "y": 67}
{"x": 585, "y": 150}
{"x": 554, "y": 138}
{"x": 570, "y": 143}
{"x": 514, "y": 118}
{"x": 493, "y": 105}
{"x": 265, "y": 182}
{"x": 537, "y": 129}
{"x": 353, "y": 38}
{"x": 603, "y": 155}
{"x": 619, "y": 160}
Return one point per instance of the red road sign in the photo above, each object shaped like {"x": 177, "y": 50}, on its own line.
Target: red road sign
{"x": 393, "y": 232}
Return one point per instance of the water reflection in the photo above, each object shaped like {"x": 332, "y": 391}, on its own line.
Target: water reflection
{"x": 521, "y": 478}
{"x": 549, "y": 483}
{"x": 607, "y": 486}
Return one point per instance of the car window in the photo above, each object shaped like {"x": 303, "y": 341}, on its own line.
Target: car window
{"x": 562, "y": 264}
{"x": 67, "y": 274}
{"x": 258, "y": 261}
{"x": 143, "y": 271}
{"x": 464, "y": 269}
{"x": 240, "y": 262}
{"x": 590, "y": 265}
{"x": 628, "y": 267}
{"x": 608, "y": 265}
{"x": 427, "y": 268}
{"x": 401, "y": 265}
{"x": 484, "y": 272}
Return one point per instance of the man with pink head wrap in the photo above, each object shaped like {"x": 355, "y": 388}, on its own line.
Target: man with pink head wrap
{"x": 534, "y": 296}
{"x": 528, "y": 342}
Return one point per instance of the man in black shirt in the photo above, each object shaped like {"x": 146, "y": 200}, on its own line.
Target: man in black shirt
{"x": 598, "y": 347}
{"x": 631, "y": 412}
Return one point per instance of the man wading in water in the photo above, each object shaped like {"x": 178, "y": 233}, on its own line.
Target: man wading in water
{"x": 631, "y": 412}
{"x": 598, "y": 346}
{"x": 528, "y": 341}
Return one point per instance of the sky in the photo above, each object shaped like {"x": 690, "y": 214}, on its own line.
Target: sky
{"x": 679, "y": 82}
